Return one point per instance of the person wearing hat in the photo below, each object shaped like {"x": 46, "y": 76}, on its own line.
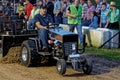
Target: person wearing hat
{"x": 34, "y": 12}
{"x": 42, "y": 21}
{"x": 39, "y": 2}
{"x": 20, "y": 8}
{"x": 113, "y": 16}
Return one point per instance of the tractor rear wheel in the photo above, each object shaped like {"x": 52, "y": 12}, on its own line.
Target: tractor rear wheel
{"x": 28, "y": 53}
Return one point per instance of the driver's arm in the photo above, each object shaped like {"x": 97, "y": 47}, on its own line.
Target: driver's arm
{"x": 38, "y": 25}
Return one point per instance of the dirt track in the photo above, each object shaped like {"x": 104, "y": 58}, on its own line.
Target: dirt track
{"x": 103, "y": 70}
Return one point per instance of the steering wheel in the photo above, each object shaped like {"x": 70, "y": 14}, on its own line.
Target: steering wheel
{"x": 53, "y": 25}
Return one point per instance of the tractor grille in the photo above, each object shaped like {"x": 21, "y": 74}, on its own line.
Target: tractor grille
{"x": 68, "y": 47}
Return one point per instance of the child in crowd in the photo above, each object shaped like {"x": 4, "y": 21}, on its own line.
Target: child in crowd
{"x": 94, "y": 22}
{"x": 103, "y": 18}
{"x": 20, "y": 10}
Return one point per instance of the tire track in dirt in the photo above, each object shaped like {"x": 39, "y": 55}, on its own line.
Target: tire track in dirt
{"x": 103, "y": 69}
{"x": 19, "y": 72}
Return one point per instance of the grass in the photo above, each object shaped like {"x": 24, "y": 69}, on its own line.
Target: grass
{"x": 113, "y": 54}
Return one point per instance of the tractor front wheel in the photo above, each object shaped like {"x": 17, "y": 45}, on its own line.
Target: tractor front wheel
{"x": 87, "y": 66}
{"x": 61, "y": 66}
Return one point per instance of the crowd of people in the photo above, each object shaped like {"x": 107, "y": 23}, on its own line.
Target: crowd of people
{"x": 75, "y": 13}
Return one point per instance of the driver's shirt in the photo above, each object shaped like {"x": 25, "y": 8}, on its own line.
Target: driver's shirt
{"x": 44, "y": 20}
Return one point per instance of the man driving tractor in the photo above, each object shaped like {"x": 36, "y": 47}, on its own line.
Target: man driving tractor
{"x": 42, "y": 21}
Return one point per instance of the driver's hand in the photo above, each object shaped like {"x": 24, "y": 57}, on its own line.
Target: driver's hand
{"x": 46, "y": 27}
{"x": 50, "y": 25}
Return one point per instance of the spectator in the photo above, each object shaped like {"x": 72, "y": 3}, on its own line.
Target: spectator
{"x": 103, "y": 17}
{"x": 65, "y": 4}
{"x": 12, "y": 5}
{"x": 4, "y": 7}
{"x": 31, "y": 21}
{"x": 16, "y": 6}
{"x": 87, "y": 18}
{"x": 53, "y": 1}
{"x": 84, "y": 8}
{"x": 42, "y": 21}
{"x": 57, "y": 11}
{"x": 50, "y": 8}
{"x": 98, "y": 8}
{"x": 28, "y": 9}
{"x": 25, "y": 4}
{"x": 107, "y": 4}
{"x": 44, "y": 1}
{"x": 38, "y": 3}
{"x": 74, "y": 13}
{"x": 8, "y": 10}
{"x": 21, "y": 9}
{"x": 113, "y": 15}
{"x": 97, "y": 5}
{"x": 94, "y": 22}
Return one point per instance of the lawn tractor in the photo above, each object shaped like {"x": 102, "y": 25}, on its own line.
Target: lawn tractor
{"x": 63, "y": 46}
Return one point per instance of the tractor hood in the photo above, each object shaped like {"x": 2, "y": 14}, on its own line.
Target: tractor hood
{"x": 63, "y": 35}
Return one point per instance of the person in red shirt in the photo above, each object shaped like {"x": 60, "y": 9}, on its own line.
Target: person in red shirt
{"x": 28, "y": 9}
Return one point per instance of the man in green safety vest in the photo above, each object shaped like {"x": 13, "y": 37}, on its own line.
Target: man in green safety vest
{"x": 74, "y": 13}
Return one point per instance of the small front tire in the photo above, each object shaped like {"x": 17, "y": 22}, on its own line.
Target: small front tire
{"x": 61, "y": 66}
{"x": 87, "y": 66}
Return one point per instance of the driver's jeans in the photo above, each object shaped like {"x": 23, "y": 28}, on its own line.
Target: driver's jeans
{"x": 43, "y": 35}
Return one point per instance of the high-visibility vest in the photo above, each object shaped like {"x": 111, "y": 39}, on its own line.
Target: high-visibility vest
{"x": 74, "y": 11}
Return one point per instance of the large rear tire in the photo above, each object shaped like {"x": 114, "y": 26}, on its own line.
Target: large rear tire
{"x": 28, "y": 53}
{"x": 61, "y": 66}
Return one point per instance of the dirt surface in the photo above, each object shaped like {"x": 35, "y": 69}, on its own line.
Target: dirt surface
{"x": 13, "y": 56}
{"x": 103, "y": 69}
